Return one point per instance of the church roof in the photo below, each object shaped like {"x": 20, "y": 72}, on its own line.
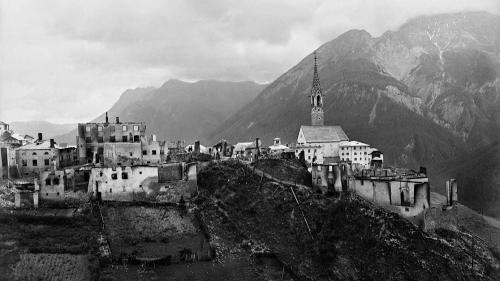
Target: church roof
{"x": 323, "y": 133}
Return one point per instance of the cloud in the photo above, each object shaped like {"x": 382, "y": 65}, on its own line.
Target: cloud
{"x": 68, "y": 61}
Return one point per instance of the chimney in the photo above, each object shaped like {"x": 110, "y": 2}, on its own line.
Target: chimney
{"x": 197, "y": 147}
{"x": 107, "y": 117}
{"x": 154, "y": 137}
{"x": 40, "y": 137}
{"x": 52, "y": 143}
{"x": 117, "y": 120}
{"x": 257, "y": 145}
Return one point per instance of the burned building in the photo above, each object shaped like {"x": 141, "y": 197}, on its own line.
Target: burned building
{"x": 92, "y": 137}
{"x": 64, "y": 183}
{"x": 122, "y": 183}
{"x": 402, "y": 191}
{"x": 222, "y": 149}
{"x": 119, "y": 143}
{"x": 405, "y": 192}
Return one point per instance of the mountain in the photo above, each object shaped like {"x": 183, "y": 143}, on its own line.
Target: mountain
{"x": 423, "y": 93}
{"x": 180, "y": 110}
{"x": 426, "y": 93}
{"x": 32, "y": 128}
{"x": 478, "y": 176}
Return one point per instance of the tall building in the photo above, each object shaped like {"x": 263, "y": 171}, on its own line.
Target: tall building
{"x": 317, "y": 99}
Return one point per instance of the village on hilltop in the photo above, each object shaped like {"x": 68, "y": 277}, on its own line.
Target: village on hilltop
{"x": 128, "y": 177}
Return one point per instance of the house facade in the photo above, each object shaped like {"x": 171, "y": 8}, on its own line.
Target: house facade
{"x": 43, "y": 155}
{"x": 360, "y": 155}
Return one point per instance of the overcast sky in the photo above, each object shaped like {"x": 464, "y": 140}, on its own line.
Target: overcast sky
{"x": 68, "y": 61}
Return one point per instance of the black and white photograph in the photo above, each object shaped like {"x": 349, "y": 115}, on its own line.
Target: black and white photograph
{"x": 249, "y": 140}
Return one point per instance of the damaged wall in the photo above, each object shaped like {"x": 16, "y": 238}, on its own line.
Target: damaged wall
{"x": 122, "y": 183}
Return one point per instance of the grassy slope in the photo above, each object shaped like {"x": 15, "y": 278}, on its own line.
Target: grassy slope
{"x": 352, "y": 238}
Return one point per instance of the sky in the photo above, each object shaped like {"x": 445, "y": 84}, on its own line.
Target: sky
{"x": 68, "y": 61}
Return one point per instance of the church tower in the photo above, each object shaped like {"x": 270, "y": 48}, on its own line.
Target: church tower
{"x": 317, "y": 114}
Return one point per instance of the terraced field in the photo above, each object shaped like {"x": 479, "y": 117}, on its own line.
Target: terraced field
{"x": 154, "y": 233}
{"x": 52, "y": 267}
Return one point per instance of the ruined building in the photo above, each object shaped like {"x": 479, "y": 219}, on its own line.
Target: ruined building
{"x": 119, "y": 143}
{"x": 403, "y": 191}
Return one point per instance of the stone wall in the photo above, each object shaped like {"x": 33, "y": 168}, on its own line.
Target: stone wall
{"x": 441, "y": 218}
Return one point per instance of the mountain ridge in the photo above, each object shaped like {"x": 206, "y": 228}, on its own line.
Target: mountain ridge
{"x": 179, "y": 110}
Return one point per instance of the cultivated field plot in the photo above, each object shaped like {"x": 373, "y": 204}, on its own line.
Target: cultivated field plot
{"x": 25, "y": 234}
{"x": 52, "y": 267}
{"x": 147, "y": 232}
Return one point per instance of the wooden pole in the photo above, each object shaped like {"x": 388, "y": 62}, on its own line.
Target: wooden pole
{"x": 302, "y": 212}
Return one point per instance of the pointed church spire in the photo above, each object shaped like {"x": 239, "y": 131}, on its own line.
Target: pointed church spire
{"x": 316, "y": 87}
{"x": 316, "y": 98}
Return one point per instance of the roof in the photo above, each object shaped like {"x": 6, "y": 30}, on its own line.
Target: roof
{"x": 323, "y": 133}
{"x": 242, "y": 145}
{"x": 352, "y": 143}
{"x": 18, "y": 136}
{"x": 278, "y": 147}
{"x": 39, "y": 145}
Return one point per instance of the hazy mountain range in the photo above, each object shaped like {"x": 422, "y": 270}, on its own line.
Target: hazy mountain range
{"x": 180, "y": 110}
{"x": 32, "y": 128}
{"x": 425, "y": 94}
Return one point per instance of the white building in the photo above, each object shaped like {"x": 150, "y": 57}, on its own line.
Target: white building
{"x": 320, "y": 143}
{"x": 356, "y": 152}
{"x": 277, "y": 147}
{"x": 359, "y": 154}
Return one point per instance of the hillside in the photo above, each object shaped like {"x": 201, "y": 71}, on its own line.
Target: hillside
{"x": 350, "y": 238}
{"x": 478, "y": 175}
{"x": 419, "y": 93}
{"x": 180, "y": 110}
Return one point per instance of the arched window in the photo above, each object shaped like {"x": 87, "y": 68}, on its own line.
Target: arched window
{"x": 318, "y": 101}
{"x": 34, "y": 153}
{"x": 312, "y": 100}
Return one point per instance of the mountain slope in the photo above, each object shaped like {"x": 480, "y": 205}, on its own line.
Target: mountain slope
{"x": 181, "y": 110}
{"x": 478, "y": 176}
{"x": 32, "y": 128}
{"x": 441, "y": 73}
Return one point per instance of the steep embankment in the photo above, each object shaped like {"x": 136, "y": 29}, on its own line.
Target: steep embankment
{"x": 350, "y": 239}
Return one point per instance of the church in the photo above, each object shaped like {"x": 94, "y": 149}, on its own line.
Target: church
{"x": 319, "y": 143}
